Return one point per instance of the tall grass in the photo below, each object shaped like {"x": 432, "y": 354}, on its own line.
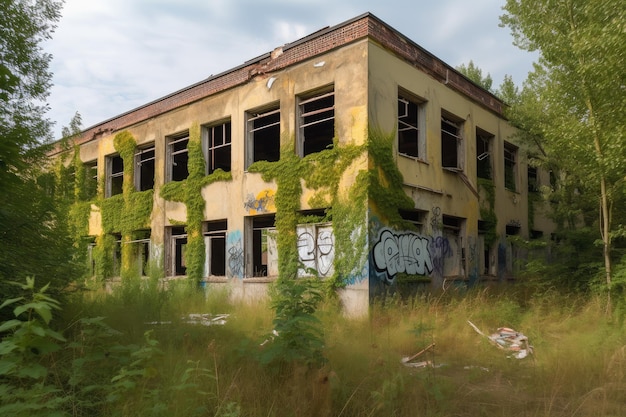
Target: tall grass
{"x": 148, "y": 360}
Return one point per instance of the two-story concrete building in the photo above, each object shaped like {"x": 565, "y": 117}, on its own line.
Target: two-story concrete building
{"x": 351, "y": 154}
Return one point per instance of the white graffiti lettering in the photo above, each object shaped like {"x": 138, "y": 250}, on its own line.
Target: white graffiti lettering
{"x": 406, "y": 252}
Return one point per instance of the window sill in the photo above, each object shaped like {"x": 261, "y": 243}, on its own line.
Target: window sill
{"x": 259, "y": 280}
{"x": 413, "y": 158}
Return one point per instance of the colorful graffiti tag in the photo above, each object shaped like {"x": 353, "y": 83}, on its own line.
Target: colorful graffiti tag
{"x": 403, "y": 252}
{"x": 262, "y": 203}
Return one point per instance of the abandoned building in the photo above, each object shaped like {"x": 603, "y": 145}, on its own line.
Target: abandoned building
{"x": 351, "y": 154}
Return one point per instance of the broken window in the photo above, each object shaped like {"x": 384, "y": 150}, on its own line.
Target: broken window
{"x": 451, "y": 141}
{"x": 487, "y": 260}
{"x": 450, "y": 248}
{"x": 177, "y": 157}
{"x": 216, "y": 146}
{"x": 484, "y": 142}
{"x": 144, "y": 168}
{"x": 90, "y": 187}
{"x": 115, "y": 175}
{"x": 262, "y": 259}
{"x": 316, "y": 122}
{"x": 410, "y": 127}
{"x": 316, "y": 249}
{"x": 533, "y": 179}
{"x": 415, "y": 217}
{"x": 263, "y": 135}
{"x": 215, "y": 244}
{"x": 175, "y": 262}
{"x": 140, "y": 250}
{"x": 510, "y": 159}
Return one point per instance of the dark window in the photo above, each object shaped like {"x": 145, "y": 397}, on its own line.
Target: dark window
{"x": 178, "y": 157}
{"x": 144, "y": 168}
{"x": 261, "y": 256}
{"x": 533, "y": 180}
{"x": 316, "y": 123}
{"x": 484, "y": 142}
{"x": 176, "y": 263}
{"x": 215, "y": 242}
{"x": 409, "y": 133}
{"x": 510, "y": 169}
{"x": 450, "y": 143}
{"x": 217, "y": 147}
{"x": 91, "y": 180}
{"x": 115, "y": 175}
{"x": 263, "y": 133}
{"x": 415, "y": 217}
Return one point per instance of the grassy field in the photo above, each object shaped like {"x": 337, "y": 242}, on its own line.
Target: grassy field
{"x": 578, "y": 367}
{"x": 138, "y": 355}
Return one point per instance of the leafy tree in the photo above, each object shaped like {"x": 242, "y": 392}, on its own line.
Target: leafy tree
{"x": 574, "y": 101}
{"x": 32, "y": 239}
{"x": 475, "y": 74}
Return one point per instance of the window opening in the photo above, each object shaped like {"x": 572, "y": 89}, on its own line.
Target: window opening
{"x": 217, "y": 147}
{"x": 450, "y": 248}
{"x": 117, "y": 254}
{"x": 262, "y": 260}
{"x": 512, "y": 230}
{"x": 141, "y": 250}
{"x": 510, "y": 156}
{"x": 91, "y": 179}
{"x": 483, "y": 154}
{"x": 316, "y": 249}
{"x": 486, "y": 248}
{"x": 317, "y": 123}
{"x": 144, "y": 173}
{"x": 215, "y": 243}
{"x": 450, "y": 143}
{"x": 176, "y": 263}
{"x": 263, "y": 129}
{"x": 410, "y": 140}
{"x": 178, "y": 158}
{"x": 533, "y": 179}
{"x": 415, "y": 217}
{"x": 115, "y": 175}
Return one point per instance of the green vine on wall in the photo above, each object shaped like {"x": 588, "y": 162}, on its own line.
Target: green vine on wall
{"x": 189, "y": 192}
{"x": 487, "y": 211}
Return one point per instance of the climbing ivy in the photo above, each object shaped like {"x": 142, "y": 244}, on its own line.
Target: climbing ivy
{"x": 189, "y": 192}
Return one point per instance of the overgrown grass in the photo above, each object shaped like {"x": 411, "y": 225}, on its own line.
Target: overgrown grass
{"x": 133, "y": 353}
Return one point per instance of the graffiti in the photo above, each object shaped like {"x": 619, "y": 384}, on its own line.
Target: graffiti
{"x": 262, "y": 203}
{"x": 406, "y": 252}
{"x": 473, "y": 261}
{"x": 440, "y": 249}
{"x": 436, "y": 221}
{"x": 316, "y": 249}
{"x": 235, "y": 254}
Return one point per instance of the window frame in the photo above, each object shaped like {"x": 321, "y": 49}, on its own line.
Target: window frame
{"x": 114, "y": 180}
{"x": 260, "y": 232}
{"x": 251, "y": 148}
{"x": 418, "y": 126}
{"x": 176, "y": 238}
{"x": 308, "y": 119}
{"x": 172, "y": 154}
{"x": 447, "y": 137}
{"x": 142, "y": 157}
{"x": 213, "y": 152}
{"x": 212, "y": 231}
{"x": 487, "y": 139}
{"x": 510, "y": 160}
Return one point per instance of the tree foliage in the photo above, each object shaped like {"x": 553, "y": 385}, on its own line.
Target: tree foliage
{"x": 32, "y": 239}
{"x": 573, "y": 103}
{"x": 475, "y": 74}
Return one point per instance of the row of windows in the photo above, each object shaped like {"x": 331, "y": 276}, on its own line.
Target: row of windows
{"x": 412, "y": 141}
{"x": 316, "y": 130}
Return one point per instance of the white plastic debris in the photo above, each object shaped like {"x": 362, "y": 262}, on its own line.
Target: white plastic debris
{"x": 510, "y": 340}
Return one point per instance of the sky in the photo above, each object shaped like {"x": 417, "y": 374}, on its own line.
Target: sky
{"x": 111, "y": 56}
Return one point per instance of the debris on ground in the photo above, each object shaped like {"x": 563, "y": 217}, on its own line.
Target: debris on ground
{"x": 508, "y": 339}
{"x": 202, "y": 319}
{"x": 407, "y": 360}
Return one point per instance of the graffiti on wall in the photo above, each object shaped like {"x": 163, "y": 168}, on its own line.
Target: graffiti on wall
{"x": 316, "y": 249}
{"x": 262, "y": 203}
{"x": 234, "y": 249}
{"x": 403, "y": 252}
{"x": 440, "y": 249}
